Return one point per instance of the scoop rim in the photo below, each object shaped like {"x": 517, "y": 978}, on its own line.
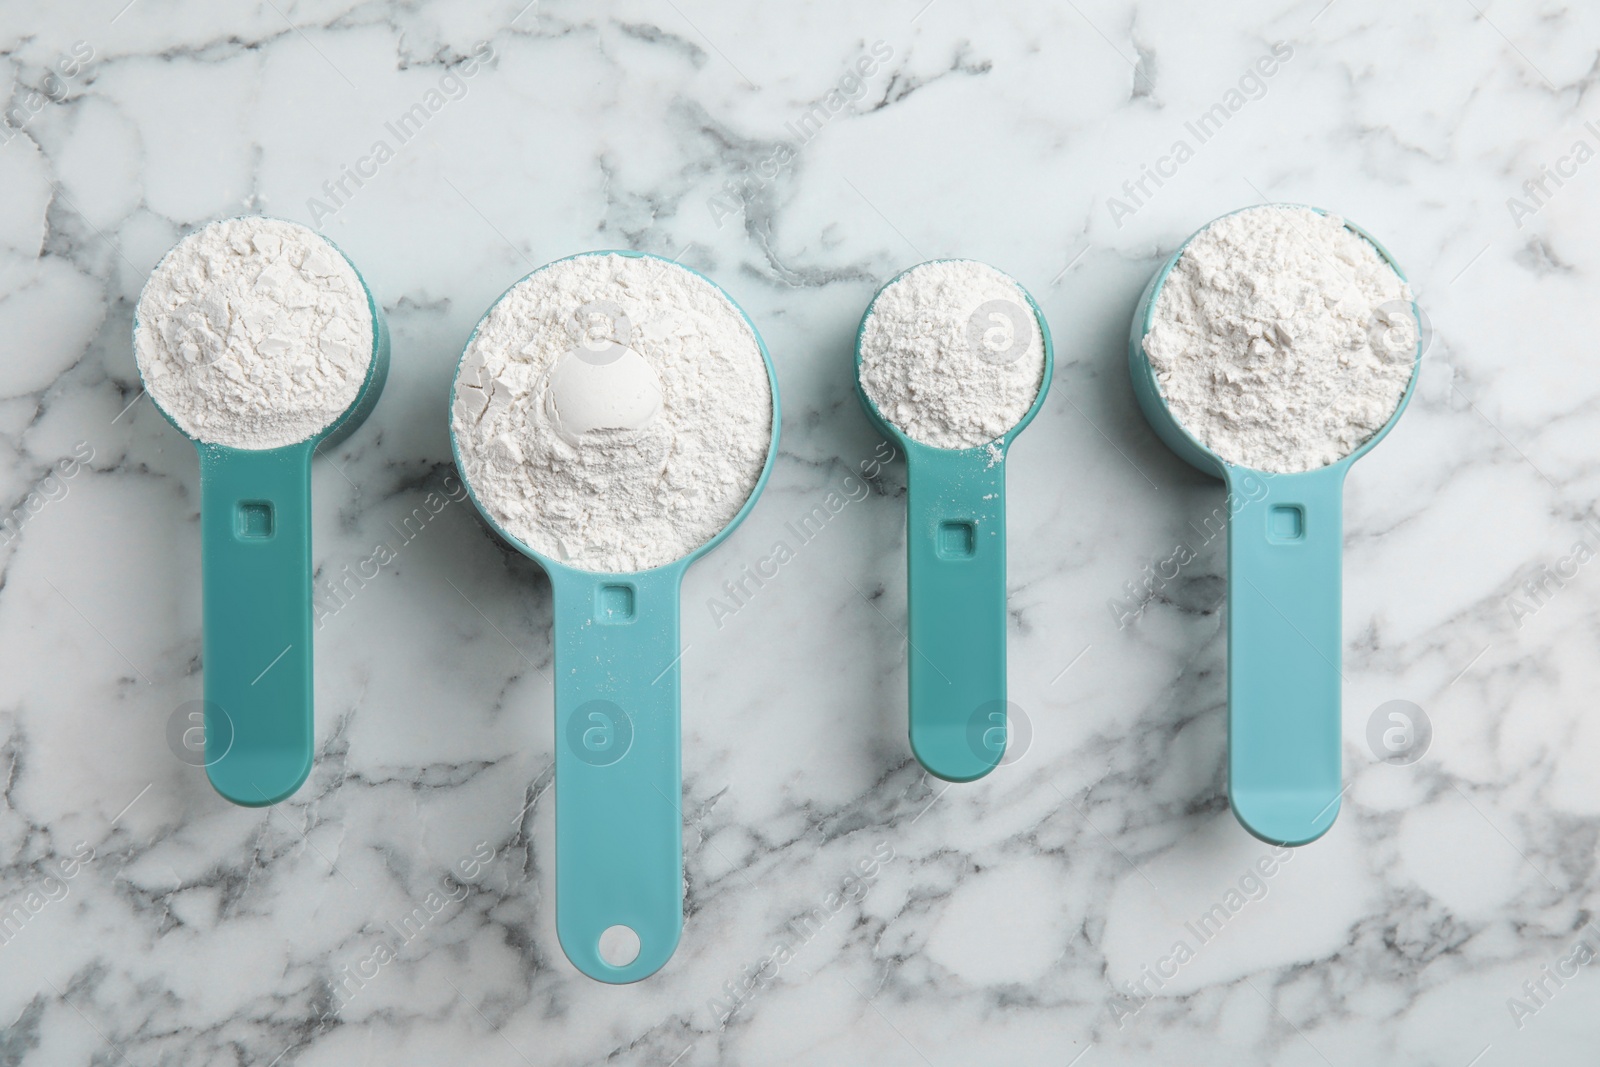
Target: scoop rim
{"x": 1047, "y": 374}
{"x": 340, "y": 422}
{"x": 1144, "y": 318}
{"x": 681, "y": 563}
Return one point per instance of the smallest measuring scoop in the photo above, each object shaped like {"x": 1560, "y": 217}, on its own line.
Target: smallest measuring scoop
{"x": 259, "y": 341}
{"x": 953, "y": 360}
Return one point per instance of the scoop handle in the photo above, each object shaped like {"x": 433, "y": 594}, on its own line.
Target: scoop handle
{"x": 1285, "y": 540}
{"x": 619, "y": 824}
{"x": 255, "y": 558}
{"x": 956, "y": 579}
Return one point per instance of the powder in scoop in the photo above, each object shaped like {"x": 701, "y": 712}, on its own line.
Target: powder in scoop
{"x": 1282, "y": 340}
{"x": 952, "y": 354}
{"x": 613, "y": 412}
{"x": 253, "y": 333}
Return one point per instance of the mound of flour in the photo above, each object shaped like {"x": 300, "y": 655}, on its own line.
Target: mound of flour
{"x": 253, "y": 333}
{"x": 1282, "y": 339}
{"x": 952, "y": 354}
{"x": 613, "y": 412}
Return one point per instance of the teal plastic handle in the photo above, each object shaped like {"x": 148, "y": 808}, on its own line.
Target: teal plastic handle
{"x": 1285, "y": 535}
{"x": 619, "y": 826}
{"x": 255, "y": 555}
{"x": 255, "y": 536}
{"x": 956, "y": 583}
{"x": 619, "y": 820}
{"x": 1284, "y": 585}
{"x": 956, "y": 599}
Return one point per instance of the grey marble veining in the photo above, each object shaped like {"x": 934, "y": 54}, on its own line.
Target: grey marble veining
{"x": 1093, "y": 902}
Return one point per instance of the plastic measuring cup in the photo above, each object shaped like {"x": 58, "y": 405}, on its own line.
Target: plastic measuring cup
{"x": 255, "y": 576}
{"x": 956, "y": 583}
{"x": 619, "y": 824}
{"x": 1285, "y": 546}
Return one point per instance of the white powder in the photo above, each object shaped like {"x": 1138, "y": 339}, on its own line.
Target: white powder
{"x": 1282, "y": 340}
{"x": 952, "y": 354}
{"x": 253, "y": 333}
{"x": 613, "y": 412}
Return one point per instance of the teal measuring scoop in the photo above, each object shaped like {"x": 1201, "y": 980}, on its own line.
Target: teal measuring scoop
{"x": 255, "y": 578}
{"x": 956, "y": 584}
{"x": 619, "y": 823}
{"x": 1285, "y": 549}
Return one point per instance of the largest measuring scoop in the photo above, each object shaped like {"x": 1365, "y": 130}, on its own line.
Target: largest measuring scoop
{"x": 1285, "y": 546}
{"x": 619, "y": 824}
{"x": 255, "y": 568}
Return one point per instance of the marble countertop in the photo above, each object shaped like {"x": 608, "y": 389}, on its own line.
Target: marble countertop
{"x": 801, "y": 155}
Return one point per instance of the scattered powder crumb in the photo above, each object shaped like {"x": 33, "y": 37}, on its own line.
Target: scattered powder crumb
{"x": 613, "y": 412}
{"x": 1282, "y": 340}
{"x": 253, "y": 333}
{"x": 952, "y": 354}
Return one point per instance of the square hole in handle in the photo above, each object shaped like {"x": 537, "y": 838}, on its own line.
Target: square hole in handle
{"x": 253, "y": 521}
{"x": 1286, "y": 522}
{"x": 956, "y": 540}
{"x": 614, "y": 603}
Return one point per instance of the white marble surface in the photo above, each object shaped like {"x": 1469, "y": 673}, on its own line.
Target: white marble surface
{"x": 1013, "y": 910}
